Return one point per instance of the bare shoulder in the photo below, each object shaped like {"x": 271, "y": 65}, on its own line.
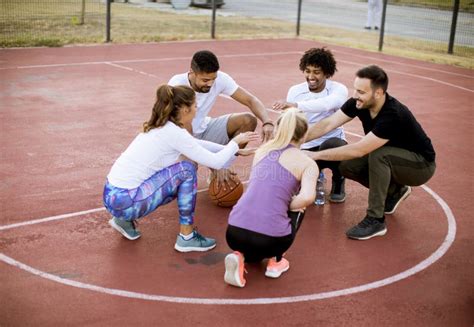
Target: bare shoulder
{"x": 296, "y": 155}
{"x": 296, "y": 161}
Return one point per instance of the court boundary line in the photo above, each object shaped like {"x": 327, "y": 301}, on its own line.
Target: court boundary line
{"x": 250, "y": 55}
{"x": 435, "y": 256}
{"x": 337, "y": 49}
{"x": 408, "y": 64}
{"x": 115, "y": 63}
{"x": 66, "y": 215}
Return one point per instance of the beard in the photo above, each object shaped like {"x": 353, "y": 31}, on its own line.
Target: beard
{"x": 203, "y": 89}
{"x": 365, "y": 105}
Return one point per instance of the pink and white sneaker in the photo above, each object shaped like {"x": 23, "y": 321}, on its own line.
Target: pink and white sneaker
{"x": 234, "y": 269}
{"x": 275, "y": 269}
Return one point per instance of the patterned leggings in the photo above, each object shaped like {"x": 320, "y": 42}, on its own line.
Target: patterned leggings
{"x": 176, "y": 181}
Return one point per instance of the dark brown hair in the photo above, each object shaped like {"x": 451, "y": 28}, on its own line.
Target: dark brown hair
{"x": 204, "y": 61}
{"x": 378, "y": 77}
{"x": 166, "y": 108}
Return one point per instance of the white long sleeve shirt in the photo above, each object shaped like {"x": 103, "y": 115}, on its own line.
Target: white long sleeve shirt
{"x": 318, "y": 106}
{"x": 160, "y": 148}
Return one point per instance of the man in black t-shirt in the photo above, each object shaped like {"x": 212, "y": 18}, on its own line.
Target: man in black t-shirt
{"x": 394, "y": 153}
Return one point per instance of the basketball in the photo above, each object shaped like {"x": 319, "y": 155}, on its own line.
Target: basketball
{"x": 226, "y": 195}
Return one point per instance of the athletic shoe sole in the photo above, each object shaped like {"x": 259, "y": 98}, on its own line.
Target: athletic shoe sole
{"x": 337, "y": 200}
{"x": 379, "y": 233}
{"x": 122, "y": 231}
{"x": 407, "y": 193}
{"x": 192, "y": 248}
{"x": 276, "y": 274}
{"x": 231, "y": 275}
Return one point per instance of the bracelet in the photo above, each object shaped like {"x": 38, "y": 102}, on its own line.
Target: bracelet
{"x": 268, "y": 123}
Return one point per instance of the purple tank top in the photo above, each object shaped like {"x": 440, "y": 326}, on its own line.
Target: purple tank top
{"x": 263, "y": 206}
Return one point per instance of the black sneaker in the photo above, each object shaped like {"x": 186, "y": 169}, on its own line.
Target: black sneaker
{"x": 338, "y": 194}
{"x": 369, "y": 227}
{"x": 392, "y": 202}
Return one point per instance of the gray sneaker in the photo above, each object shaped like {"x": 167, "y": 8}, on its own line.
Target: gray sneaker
{"x": 392, "y": 202}
{"x": 126, "y": 228}
{"x": 369, "y": 227}
{"x": 197, "y": 243}
{"x": 338, "y": 192}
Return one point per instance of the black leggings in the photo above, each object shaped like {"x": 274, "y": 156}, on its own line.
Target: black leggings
{"x": 333, "y": 142}
{"x": 256, "y": 246}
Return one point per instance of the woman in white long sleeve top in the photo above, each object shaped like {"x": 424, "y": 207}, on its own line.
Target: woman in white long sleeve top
{"x": 151, "y": 172}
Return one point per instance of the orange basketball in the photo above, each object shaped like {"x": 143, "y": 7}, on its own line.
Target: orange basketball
{"x": 226, "y": 195}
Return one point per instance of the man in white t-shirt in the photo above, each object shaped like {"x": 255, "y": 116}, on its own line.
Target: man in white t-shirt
{"x": 319, "y": 98}
{"x": 205, "y": 78}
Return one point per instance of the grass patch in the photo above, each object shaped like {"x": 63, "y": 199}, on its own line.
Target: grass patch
{"x": 464, "y": 5}
{"x": 398, "y": 46}
{"x": 46, "y": 24}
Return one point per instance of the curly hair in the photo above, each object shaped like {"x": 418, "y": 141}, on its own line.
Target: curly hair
{"x": 319, "y": 57}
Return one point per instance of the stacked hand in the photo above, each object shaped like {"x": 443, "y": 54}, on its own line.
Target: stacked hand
{"x": 244, "y": 138}
{"x": 282, "y": 105}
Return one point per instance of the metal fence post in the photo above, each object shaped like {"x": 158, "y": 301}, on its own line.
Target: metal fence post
{"x": 83, "y": 11}
{"x": 382, "y": 25}
{"x": 453, "y": 26}
{"x": 298, "y": 19}
{"x": 107, "y": 22}
{"x": 213, "y": 23}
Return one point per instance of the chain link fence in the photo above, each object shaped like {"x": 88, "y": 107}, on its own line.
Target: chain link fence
{"x": 425, "y": 25}
{"x": 51, "y": 22}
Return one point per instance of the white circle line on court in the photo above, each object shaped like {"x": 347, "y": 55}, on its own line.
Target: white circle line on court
{"x": 65, "y": 216}
{"x": 435, "y": 256}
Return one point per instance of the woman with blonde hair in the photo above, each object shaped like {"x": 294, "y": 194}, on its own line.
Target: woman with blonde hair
{"x": 264, "y": 222}
{"x": 151, "y": 172}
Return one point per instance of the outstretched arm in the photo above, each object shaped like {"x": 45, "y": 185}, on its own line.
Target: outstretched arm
{"x": 326, "y": 125}
{"x": 198, "y": 151}
{"x": 333, "y": 101}
{"x": 366, "y": 145}
{"x": 256, "y": 106}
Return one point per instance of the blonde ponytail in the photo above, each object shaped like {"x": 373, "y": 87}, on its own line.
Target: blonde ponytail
{"x": 291, "y": 127}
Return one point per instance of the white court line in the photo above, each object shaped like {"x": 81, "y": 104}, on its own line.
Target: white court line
{"x": 131, "y": 69}
{"x": 435, "y": 256}
{"x": 149, "y": 60}
{"x": 65, "y": 216}
{"x": 404, "y": 64}
{"x": 449, "y": 239}
{"x": 345, "y": 61}
{"x": 229, "y": 56}
{"x": 298, "y": 52}
{"x": 411, "y": 75}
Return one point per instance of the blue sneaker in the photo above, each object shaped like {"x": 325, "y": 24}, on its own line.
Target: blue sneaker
{"x": 126, "y": 228}
{"x": 196, "y": 243}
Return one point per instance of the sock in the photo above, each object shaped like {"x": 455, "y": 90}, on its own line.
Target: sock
{"x": 187, "y": 237}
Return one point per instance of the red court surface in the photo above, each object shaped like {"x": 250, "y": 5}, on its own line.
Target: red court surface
{"x": 67, "y": 113}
